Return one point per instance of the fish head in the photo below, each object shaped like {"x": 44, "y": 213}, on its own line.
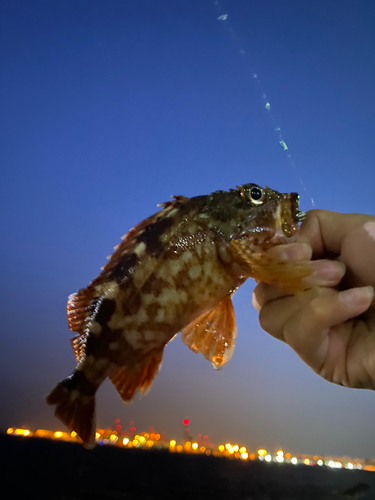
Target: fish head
{"x": 267, "y": 217}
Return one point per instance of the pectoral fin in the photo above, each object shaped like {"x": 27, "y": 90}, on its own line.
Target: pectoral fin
{"x": 213, "y": 333}
{"x": 287, "y": 275}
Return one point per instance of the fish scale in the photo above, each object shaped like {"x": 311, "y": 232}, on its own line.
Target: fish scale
{"x": 173, "y": 272}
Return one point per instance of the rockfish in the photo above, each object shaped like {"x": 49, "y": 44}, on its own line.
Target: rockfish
{"x": 174, "y": 272}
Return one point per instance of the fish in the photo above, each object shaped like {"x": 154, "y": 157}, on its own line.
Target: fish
{"x": 174, "y": 272}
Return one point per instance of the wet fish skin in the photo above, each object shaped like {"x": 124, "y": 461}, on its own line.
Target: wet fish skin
{"x": 173, "y": 272}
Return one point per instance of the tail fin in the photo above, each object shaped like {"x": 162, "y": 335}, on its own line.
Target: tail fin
{"x": 75, "y": 410}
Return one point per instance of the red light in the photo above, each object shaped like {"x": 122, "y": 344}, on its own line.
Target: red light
{"x": 205, "y": 436}
{"x": 118, "y": 427}
{"x": 117, "y": 421}
{"x": 186, "y": 421}
{"x": 132, "y": 429}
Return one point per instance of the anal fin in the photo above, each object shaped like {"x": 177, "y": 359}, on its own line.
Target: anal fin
{"x": 138, "y": 377}
{"x": 213, "y": 333}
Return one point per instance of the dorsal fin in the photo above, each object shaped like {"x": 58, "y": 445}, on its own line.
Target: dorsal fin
{"x": 213, "y": 333}
{"x": 80, "y": 308}
{"x": 82, "y": 305}
{"x": 129, "y": 240}
{"x": 176, "y": 198}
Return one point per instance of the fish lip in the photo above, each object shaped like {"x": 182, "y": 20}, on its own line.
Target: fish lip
{"x": 297, "y": 214}
{"x": 300, "y": 216}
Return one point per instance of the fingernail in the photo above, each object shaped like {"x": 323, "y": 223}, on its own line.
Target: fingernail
{"x": 356, "y": 297}
{"x": 370, "y": 228}
{"x": 328, "y": 271}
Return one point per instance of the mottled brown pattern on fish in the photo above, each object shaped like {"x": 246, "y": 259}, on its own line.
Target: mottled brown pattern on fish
{"x": 173, "y": 272}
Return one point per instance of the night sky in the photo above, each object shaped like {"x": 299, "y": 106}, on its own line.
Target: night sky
{"x": 110, "y": 107}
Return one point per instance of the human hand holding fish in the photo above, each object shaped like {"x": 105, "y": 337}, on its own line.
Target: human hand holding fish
{"x": 331, "y": 324}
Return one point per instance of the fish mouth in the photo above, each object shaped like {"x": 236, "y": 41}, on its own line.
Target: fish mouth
{"x": 297, "y": 214}
{"x": 290, "y": 214}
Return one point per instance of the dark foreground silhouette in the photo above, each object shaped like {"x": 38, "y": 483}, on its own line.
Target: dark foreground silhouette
{"x": 37, "y": 468}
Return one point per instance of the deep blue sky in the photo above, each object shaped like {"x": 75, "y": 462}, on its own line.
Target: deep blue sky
{"x": 108, "y": 108}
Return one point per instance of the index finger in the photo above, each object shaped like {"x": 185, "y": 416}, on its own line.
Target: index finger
{"x": 326, "y": 230}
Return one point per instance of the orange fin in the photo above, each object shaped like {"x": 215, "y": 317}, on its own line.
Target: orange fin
{"x": 79, "y": 309}
{"x": 78, "y": 344}
{"x": 74, "y": 409}
{"x": 129, "y": 240}
{"x": 139, "y": 377}
{"x": 213, "y": 333}
{"x": 176, "y": 198}
{"x": 287, "y": 275}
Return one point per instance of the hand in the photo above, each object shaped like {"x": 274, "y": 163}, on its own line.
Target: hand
{"x": 331, "y": 324}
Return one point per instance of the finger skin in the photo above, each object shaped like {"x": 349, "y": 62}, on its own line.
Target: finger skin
{"x": 349, "y": 238}
{"x": 332, "y": 331}
{"x": 316, "y": 324}
{"x": 326, "y": 231}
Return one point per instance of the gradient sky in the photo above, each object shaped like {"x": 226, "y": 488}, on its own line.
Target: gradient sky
{"x": 110, "y": 107}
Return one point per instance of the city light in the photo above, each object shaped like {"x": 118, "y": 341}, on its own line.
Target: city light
{"x": 19, "y": 432}
{"x": 228, "y": 451}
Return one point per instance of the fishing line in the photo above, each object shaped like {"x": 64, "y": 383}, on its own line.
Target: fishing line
{"x": 223, "y": 18}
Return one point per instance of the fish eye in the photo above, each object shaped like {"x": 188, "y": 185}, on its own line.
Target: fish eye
{"x": 256, "y": 195}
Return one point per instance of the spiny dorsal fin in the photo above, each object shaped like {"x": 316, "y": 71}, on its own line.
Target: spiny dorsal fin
{"x": 177, "y": 198}
{"x": 213, "y": 333}
{"x": 80, "y": 308}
